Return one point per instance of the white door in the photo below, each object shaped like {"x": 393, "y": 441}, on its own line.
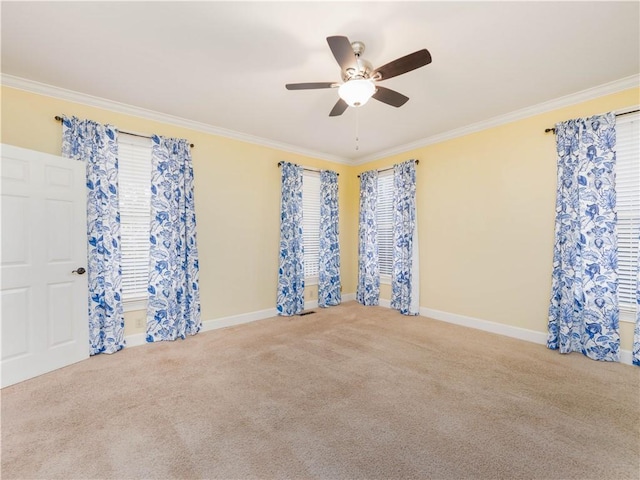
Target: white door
{"x": 43, "y": 302}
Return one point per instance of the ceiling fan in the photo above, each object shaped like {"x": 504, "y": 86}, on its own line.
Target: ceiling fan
{"x": 359, "y": 77}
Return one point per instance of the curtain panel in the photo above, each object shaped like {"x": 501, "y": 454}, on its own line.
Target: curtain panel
{"x": 636, "y": 335}
{"x": 368, "y": 290}
{"x": 96, "y": 145}
{"x": 583, "y": 312}
{"x": 405, "y": 273}
{"x": 329, "y": 255}
{"x": 290, "y": 295}
{"x": 173, "y": 309}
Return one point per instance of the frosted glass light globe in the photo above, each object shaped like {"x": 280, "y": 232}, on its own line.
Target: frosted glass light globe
{"x": 357, "y": 92}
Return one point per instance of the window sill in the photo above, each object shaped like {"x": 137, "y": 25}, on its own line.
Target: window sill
{"x": 133, "y": 305}
{"x": 627, "y": 315}
{"x": 311, "y": 281}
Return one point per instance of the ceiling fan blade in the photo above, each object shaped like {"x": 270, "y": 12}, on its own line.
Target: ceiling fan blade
{"x": 309, "y": 86}
{"x": 343, "y": 51}
{"x": 404, "y": 64}
{"x": 339, "y": 108}
{"x": 390, "y": 97}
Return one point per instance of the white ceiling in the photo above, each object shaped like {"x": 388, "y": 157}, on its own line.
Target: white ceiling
{"x": 225, "y": 64}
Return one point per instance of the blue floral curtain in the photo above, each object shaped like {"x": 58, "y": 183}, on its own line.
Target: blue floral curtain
{"x": 290, "y": 299}
{"x": 96, "y": 145}
{"x": 584, "y": 314}
{"x": 368, "y": 291}
{"x": 329, "y": 254}
{"x": 405, "y": 273}
{"x": 173, "y": 309}
{"x": 636, "y": 335}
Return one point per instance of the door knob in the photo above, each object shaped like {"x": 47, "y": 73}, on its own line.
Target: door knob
{"x": 79, "y": 271}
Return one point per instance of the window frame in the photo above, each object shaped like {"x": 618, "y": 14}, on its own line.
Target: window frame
{"x": 134, "y": 149}
{"x": 384, "y": 219}
{"x": 628, "y": 209}
{"x": 311, "y": 192}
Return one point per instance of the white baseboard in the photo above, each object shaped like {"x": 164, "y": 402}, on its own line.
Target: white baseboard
{"x": 485, "y": 325}
{"x": 311, "y": 304}
{"x": 626, "y": 356}
{"x": 533, "y": 336}
{"x": 135, "y": 339}
{"x": 238, "y": 319}
{"x": 138, "y": 339}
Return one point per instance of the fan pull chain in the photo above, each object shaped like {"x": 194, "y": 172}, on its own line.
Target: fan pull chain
{"x": 357, "y": 129}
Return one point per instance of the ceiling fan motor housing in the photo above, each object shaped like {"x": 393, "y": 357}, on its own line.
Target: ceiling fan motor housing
{"x": 364, "y": 68}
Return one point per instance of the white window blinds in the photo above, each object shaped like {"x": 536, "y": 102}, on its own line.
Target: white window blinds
{"x": 134, "y": 178}
{"x": 628, "y": 207}
{"x": 384, "y": 219}
{"x": 311, "y": 222}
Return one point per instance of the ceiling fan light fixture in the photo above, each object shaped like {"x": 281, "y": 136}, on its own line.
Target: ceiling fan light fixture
{"x": 357, "y": 92}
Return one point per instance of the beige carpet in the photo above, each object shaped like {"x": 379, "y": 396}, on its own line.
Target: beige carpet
{"x": 349, "y": 392}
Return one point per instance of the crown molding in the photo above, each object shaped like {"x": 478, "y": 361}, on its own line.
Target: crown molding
{"x": 76, "y": 97}
{"x": 102, "y": 103}
{"x": 589, "y": 94}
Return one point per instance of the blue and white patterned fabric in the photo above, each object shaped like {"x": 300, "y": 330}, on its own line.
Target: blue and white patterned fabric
{"x": 368, "y": 291}
{"x": 329, "y": 254}
{"x": 636, "y": 335}
{"x": 584, "y": 314}
{"x": 404, "y": 276}
{"x": 173, "y": 309}
{"x": 96, "y": 145}
{"x": 290, "y": 299}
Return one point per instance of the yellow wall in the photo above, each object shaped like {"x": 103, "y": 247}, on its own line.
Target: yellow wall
{"x": 485, "y": 210}
{"x": 237, "y": 194}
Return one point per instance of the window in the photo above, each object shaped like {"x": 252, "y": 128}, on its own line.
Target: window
{"x": 134, "y": 178}
{"x": 628, "y": 206}
{"x": 311, "y": 224}
{"x": 384, "y": 219}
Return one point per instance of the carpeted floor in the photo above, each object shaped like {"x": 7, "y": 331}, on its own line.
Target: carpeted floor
{"x": 349, "y": 392}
